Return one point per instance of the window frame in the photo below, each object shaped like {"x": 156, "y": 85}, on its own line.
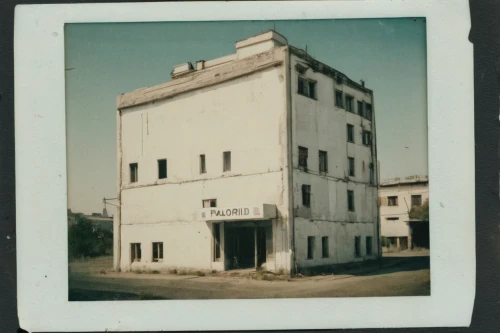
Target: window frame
{"x": 350, "y": 133}
{"x": 203, "y": 164}
{"x": 368, "y": 111}
{"x": 367, "y": 138}
{"x": 210, "y": 202}
{"x": 357, "y": 246}
{"x": 226, "y": 161}
{"x": 369, "y": 245}
{"x": 303, "y": 157}
{"x": 135, "y": 252}
{"x": 323, "y": 157}
{"x": 308, "y": 87}
{"x": 306, "y": 195}
{"x": 159, "y": 252}
{"x": 341, "y": 105}
{"x": 362, "y": 109}
{"x": 414, "y": 196}
{"x": 350, "y": 195}
{"x": 325, "y": 254}
{"x": 351, "y": 99}
{"x": 134, "y": 172}
{"x": 352, "y": 166}
{"x": 395, "y": 203}
{"x": 311, "y": 240}
{"x": 159, "y": 170}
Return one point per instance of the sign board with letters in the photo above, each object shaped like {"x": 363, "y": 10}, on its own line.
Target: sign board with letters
{"x": 238, "y": 213}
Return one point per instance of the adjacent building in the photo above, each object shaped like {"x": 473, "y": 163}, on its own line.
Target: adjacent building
{"x": 260, "y": 159}
{"x": 404, "y": 212}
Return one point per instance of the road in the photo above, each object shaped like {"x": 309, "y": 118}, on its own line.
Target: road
{"x": 404, "y": 274}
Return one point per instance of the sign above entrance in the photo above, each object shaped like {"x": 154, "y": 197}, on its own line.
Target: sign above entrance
{"x": 258, "y": 212}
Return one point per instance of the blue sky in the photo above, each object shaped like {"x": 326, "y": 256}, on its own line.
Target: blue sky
{"x": 113, "y": 58}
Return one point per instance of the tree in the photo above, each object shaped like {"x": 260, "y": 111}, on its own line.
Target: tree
{"x": 85, "y": 239}
{"x": 420, "y": 212}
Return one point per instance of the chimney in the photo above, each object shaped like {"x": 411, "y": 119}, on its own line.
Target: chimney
{"x": 363, "y": 83}
{"x": 200, "y": 65}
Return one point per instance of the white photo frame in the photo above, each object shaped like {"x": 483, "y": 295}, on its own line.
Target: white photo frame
{"x": 41, "y": 196}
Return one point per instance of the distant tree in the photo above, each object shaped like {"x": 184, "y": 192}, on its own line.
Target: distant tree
{"x": 86, "y": 239}
{"x": 420, "y": 212}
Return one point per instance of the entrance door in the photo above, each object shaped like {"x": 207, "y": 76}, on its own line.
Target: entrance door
{"x": 240, "y": 247}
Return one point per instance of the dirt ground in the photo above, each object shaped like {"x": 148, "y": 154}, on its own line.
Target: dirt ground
{"x": 397, "y": 274}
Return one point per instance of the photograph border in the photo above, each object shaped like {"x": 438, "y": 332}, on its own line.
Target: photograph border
{"x": 40, "y": 124}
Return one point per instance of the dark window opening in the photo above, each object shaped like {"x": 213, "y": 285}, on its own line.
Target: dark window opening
{"x": 368, "y": 111}
{"x": 134, "y": 172}
{"x": 162, "y": 169}
{"x": 350, "y": 200}
{"x": 367, "y": 138}
{"x": 227, "y": 161}
{"x": 312, "y": 89}
{"x": 324, "y": 246}
{"x": 306, "y": 87}
{"x": 416, "y": 200}
{"x": 360, "y": 109}
{"x": 339, "y": 99}
{"x": 349, "y": 103}
{"x": 157, "y": 251}
{"x": 369, "y": 245}
{"x": 372, "y": 174}
{"x": 303, "y": 152}
{"x": 203, "y": 166}
{"x": 351, "y": 166}
{"x": 323, "y": 161}
{"x": 392, "y": 201}
{"x": 357, "y": 246}
{"x": 216, "y": 230}
{"x": 310, "y": 247}
{"x": 209, "y": 203}
{"x": 135, "y": 252}
{"x": 306, "y": 195}
{"x": 301, "y": 85}
{"x": 350, "y": 133}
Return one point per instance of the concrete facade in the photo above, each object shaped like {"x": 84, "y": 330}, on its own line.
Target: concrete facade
{"x": 173, "y": 144}
{"x": 395, "y": 213}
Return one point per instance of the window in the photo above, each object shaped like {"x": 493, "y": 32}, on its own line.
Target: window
{"x": 209, "y": 203}
{"x": 369, "y": 245}
{"x": 368, "y": 111}
{"x": 360, "y": 108}
{"x": 392, "y": 201}
{"x": 349, "y": 103}
{"x": 216, "y": 231}
{"x": 227, "y": 161}
{"x": 324, "y": 247}
{"x": 310, "y": 247}
{"x": 203, "y": 166}
{"x": 303, "y": 152}
{"x": 323, "y": 161}
{"x": 367, "y": 138}
{"x": 416, "y": 200}
{"x": 372, "y": 174}
{"x": 350, "y": 133}
{"x": 350, "y": 200}
{"x": 134, "y": 172}
{"x": 306, "y": 87}
{"x": 357, "y": 246}
{"x": 339, "y": 99}
{"x": 162, "y": 169}
{"x": 306, "y": 195}
{"x": 351, "y": 166}
{"x": 157, "y": 252}
{"x": 135, "y": 252}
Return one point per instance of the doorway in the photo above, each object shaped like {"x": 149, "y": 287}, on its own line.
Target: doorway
{"x": 245, "y": 246}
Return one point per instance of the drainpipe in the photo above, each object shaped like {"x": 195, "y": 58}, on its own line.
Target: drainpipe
{"x": 117, "y": 233}
{"x": 376, "y": 173}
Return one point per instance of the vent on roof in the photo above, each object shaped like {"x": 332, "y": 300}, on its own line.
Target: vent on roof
{"x": 182, "y": 69}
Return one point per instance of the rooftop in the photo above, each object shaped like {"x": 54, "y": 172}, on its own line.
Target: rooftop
{"x": 405, "y": 181}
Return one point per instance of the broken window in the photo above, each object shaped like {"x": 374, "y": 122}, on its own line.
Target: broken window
{"x": 323, "y": 161}
{"x": 227, "y": 161}
{"x": 306, "y": 87}
{"x": 324, "y": 247}
{"x": 357, "y": 246}
{"x": 306, "y": 195}
{"x": 351, "y": 166}
{"x": 203, "y": 166}
{"x": 303, "y": 152}
{"x": 416, "y": 200}
{"x": 350, "y": 133}
{"x": 360, "y": 108}
{"x": 368, "y": 111}
{"x": 162, "y": 169}
{"x": 216, "y": 231}
{"x": 157, "y": 251}
{"x": 339, "y": 99}
{"x": 349, "y": 103}
{"x": 392, "y": 201}
{"x": 135, "y": 252}
{"x": 209, "y": 203}
{"x": 369, "y": 245}
{"x": 134, "y": 172}
{"x": 350, "y": 200}
{"x": 367, "y": 138}
{"x": 310, "y": 247}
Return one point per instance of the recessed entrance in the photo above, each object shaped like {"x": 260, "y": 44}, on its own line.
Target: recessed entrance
{"x": 245, "y": 244}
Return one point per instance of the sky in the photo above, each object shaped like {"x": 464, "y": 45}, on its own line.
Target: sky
{"x": 104, "y": 60}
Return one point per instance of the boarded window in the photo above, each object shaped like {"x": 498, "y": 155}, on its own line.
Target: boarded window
{"x": 323, "y": 161}
{"x": 203, "y": 166}
{"x": 162, "y": 169}
{"x": 369, "y": 245}
{"x": 392, "y": 201}
{"x": 350, "y": 200}
{"x": 349, "y": 103}
{"x": 216, "y": 231}
{"x": 227, "y": 161}
{"x": 310, "y": 247}
{"x": 351, "y": 166}
{"x": 360, "y": 108}
{"x": 135, "y": 252}
{"x": 157, "y": 251}
{"x": 416, "y": 200}
{"x": 357, "y": 246}
{"x": 350, "y": 133}
{"x": 306, "y": 195}
{"x": 368, "y": 111}
{"x": 324, "y": 247}
{"x": 303, "y": 152}
{"x": 367, "y": 138}
{"x": 339, "y": 98}
{"x": 208, "y": 203}
{"x": 134, "y": 172}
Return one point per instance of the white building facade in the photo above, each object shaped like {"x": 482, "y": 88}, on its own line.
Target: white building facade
{"x": 397, "y": 197}
{"x": 263, "y": 158}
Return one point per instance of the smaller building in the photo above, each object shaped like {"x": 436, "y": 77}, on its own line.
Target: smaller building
{"x": 404, "y": 212}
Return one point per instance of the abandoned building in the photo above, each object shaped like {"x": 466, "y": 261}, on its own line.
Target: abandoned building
{"x": 261, "y": 159}
{"x": 404, "y": 212}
